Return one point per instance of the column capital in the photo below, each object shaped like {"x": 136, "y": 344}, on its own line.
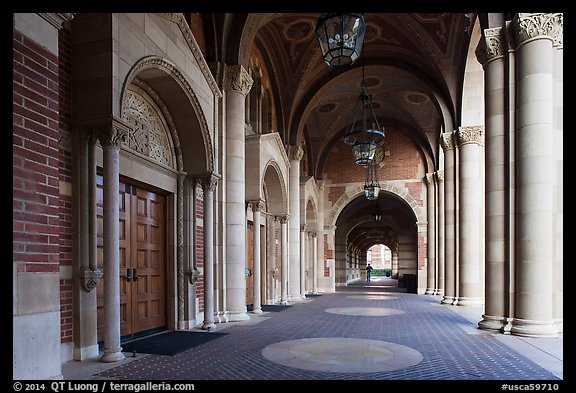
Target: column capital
{"x": 256, "y": 205}
{"x": 531, "y": 26}
{"x": 295, "y": 153}
{"x": 282, "y": 218}
{"x": 439, "y": 176}
{"x": 471, "y": 134}
{"x": 447, "y": 141}
{"x": 113, "y": 132}
{"x": 429, "y": 179}
{"x": 209, "y": 182}
{"x": 303, "y": 227}
{"x": 492, "y": 45}
{"x": 314, "y": 234}
{"x": 237, "y": 79}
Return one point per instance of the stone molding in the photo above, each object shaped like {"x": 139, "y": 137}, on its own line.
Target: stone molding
{"x": 491, "y": 46}
{"x": 471, "y": 134}
{"x": 530, "y": 26}
{"x": 237, "y": 79}
{"x": 56, "y": 19}
{"x": 179, "y": 19}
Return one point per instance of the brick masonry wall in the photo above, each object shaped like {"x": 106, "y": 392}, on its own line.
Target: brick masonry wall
{"x": 36, "y": 157}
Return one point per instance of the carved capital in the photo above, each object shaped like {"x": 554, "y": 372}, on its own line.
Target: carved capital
{"x": 295, "y": 152}
{"x": 529, "y": 26}
{"x": 303, "y": 227}
{"x": 492, "y": 45}
{"x": 439, "y": 176}
{"x": 193, "y": 275}
{"x": 209, "y": 183}
{"x": 446, "y": 141}
{"x": 237, "y": 79}
{"x": 113, "y": 134}
{"x": 90, "y": 279}
{"x": 429, "y": 179}
{"x": 472, "y": 134}
{"x": 257, "y": 205}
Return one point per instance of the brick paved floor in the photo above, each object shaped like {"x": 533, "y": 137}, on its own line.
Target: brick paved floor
{"x": 450, "y": 348}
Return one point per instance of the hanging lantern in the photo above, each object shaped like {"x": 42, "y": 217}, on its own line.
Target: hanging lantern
{"x": 371, "y": 186}
{"x": 340, "y": 37}
{"x": 365, "y": 133}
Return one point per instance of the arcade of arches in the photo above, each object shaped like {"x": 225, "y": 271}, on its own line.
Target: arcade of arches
{"x": 215, "y": 141}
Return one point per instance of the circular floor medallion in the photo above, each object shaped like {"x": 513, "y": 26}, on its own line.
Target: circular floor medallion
{"x": 372, "y": 297}
{"x": 345, "y": 355}
{"x": 364, "y": 311}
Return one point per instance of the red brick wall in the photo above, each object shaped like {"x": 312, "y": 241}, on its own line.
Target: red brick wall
{"x": 197, "y": 27}
{"x": 65, "y": 175}
{"x": 36, "y": 158}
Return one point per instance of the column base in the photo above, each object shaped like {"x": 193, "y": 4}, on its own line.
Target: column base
{"x": 429, "y": 291}
{"x": 490, "y": 322}
{"x": 559, "y": 323}
{"x": 257, "y": 310}
{"x": 207, "y": 325}
{"x": 447, "y": 300}
{"x": 469, "y": 301}
{"x": 439, "y": 292}
{"x": 235, "y": 316}
{"x": 112, "y": 356}
{"x": 532, "y": 328}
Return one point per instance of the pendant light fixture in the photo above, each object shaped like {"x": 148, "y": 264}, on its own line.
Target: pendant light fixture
{"x": 372, "y": 185}
{"x": 365, "y": 132}
{"x": 341, "y": 37}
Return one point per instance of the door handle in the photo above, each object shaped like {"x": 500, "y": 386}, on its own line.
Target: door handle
{"x": 128, "y": 277}
{"x": 135, "y": 275}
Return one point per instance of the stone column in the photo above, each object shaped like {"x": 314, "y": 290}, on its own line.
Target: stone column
{"x": 208, "y": 188}
{"x": 447, "y": 143}
{"x": 284, "y": 260}
{"x": 314, "y": 262}
{"x": 440, "y": 264}
{"x": 490, "y": 53}
{"x": 237, "y": 83}
{"x": 110, "y": 139}
{"x": 471, "y": 286}
{"x": 535, "y": 36}
{"x": 431, "y": 247}
{"x": 257, "y": 206}
{"x": 295, "y": 154}
{"x": 303, "y": 261}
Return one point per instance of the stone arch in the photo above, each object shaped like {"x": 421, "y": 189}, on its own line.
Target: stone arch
{"x": 354, "y": 193}
{"x": 175, "y": 96}
{"x": 276, "y": 190}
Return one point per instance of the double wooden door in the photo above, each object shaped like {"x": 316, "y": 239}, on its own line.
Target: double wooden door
{"x": 142, "y": 259}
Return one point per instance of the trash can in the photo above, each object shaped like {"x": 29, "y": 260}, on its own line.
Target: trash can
{"x": 410, "y": 283}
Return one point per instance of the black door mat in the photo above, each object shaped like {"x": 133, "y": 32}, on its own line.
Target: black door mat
{"x": 170, "y": 343}
{"x": 268, "y": 307}
{"x": 313, "y": 295}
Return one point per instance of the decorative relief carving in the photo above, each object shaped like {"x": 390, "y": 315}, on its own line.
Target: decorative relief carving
{"x": 446, "y": 141}
{"x": 295, "y": 152}
{"x": 237, "y": 79}
{"x": 472, "y": 134}
{"x": 149, "y": 135}
{"x": 209, "y": 183}
{"x": 90, "y": 279}
{"x": 429, "y": 179}
{"x": 112, "y": 135}
{"x": 492, "y": 46}
{"x": 439, "y": 176}
{"x": 527, "y": 26}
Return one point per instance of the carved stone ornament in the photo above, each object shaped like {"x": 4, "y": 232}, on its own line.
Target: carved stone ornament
{"x": 209, "y": 183}
{"x": 472, "y": 134}
{"x": 429, "y": 179}
{"x": 446, "y": 141}
{"x": 527, "y": 26}
{"x": 295, "y": 152}
{"x": 237, "y": 79}
{"x": 193, "y": 275}
{"x": 112, "y": 135}
{"x": 90, "y": 279}
{"x": 491, "y": 46}
{"x": 439, "y": 176}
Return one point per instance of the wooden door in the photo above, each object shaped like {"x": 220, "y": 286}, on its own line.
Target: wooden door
{"x": 142, "y": 227}
{"x": 250, "y": 263}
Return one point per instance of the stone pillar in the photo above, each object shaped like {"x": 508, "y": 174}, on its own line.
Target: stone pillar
{"x": 303, "y": 261}
{"x": 447, "y": 143}
{"x": 440, "y": 264}
{"x": 110, "y": 139}
{"x": 471, "y": 286}
{"x": 295, "y": 154}
{"x": 208, "y": 188}
{"x": 490, "y": 53}
{"x": 284, "y": 260}
{"x": 237, "y": 83}
{"x": 314, "y": 262}
{"x": 257, "y": 206}
{"x": 535, "y": 36}
{"x": 431, "y": 247}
